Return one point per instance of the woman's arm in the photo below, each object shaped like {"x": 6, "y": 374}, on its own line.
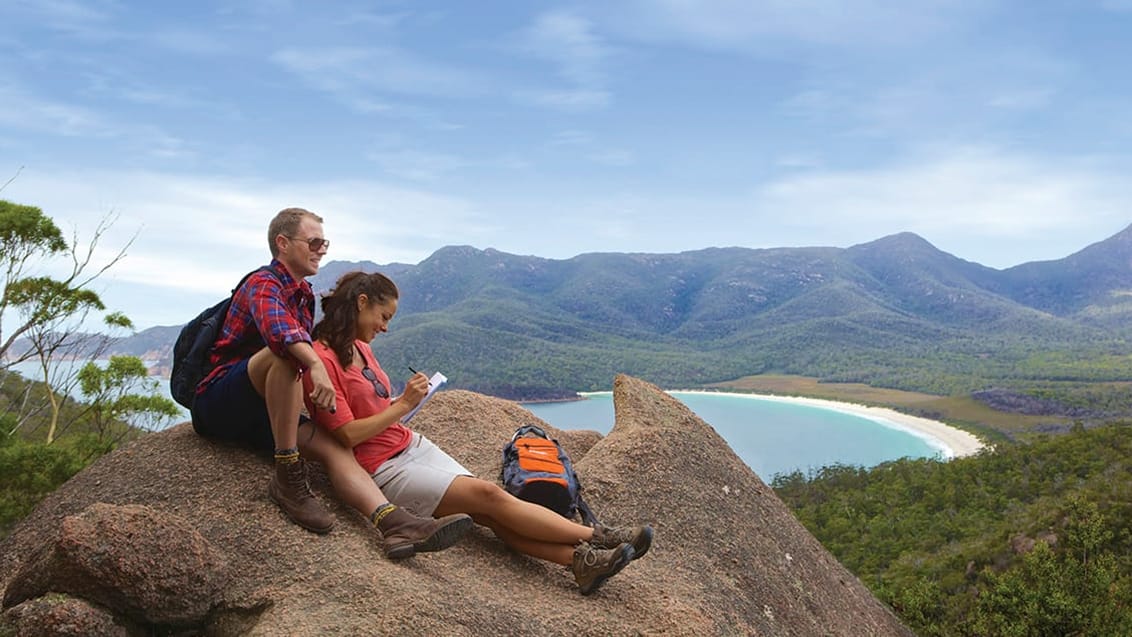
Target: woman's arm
{"x": 365, "y": 427}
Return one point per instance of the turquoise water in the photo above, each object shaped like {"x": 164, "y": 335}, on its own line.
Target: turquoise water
{"x": 770, "y": 436}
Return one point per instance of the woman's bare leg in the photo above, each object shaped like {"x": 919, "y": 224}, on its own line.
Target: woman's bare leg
{"x": 511, "y": 515}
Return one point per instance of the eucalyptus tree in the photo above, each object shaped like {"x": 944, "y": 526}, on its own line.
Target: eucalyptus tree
{"x": 46, "y": 313}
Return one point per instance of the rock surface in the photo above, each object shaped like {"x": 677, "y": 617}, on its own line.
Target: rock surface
{"x": 729, "y": 558}
{"x": 152, "y": 566}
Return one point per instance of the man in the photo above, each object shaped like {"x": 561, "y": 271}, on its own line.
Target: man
{"x": 254, "y": 395}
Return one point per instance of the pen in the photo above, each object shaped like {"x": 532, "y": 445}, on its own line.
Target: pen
{"x": 416, "y": 372}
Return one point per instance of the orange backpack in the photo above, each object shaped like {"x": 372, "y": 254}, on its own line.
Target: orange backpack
{"x": 537, "y": 469}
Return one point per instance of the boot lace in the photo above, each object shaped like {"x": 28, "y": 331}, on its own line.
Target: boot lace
{"x": 298, "y": 480}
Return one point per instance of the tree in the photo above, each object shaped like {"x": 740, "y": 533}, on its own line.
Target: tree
{"x": 51, "y": 311}
{"x": 26, "y": 232}
{"x": 112, "y": 393}
{"x": 1075, "y": 591}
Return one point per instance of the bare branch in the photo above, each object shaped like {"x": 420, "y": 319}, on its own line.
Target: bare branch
{"x": 81, "y": 264}
{"x": 13, "y": 178}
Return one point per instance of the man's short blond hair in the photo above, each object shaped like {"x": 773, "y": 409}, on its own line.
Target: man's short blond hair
{"x": 286, "y": 223}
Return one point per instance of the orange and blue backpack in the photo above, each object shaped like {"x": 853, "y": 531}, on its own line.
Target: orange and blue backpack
{"x": 537, "y": 469}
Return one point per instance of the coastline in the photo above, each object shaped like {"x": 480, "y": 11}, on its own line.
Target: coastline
{"x": 951, "y": 441}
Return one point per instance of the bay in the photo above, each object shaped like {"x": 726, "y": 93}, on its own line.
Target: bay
{"x": 772, "y": 437}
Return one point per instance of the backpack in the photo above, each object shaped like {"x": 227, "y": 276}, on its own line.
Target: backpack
{"x": 190, "y": 353}
{"x": 537, "y": 469}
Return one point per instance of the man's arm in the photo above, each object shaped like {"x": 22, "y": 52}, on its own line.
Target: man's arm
{"x": 322, "y": 390}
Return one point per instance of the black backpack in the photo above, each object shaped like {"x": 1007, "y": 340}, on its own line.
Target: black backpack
{"x": 537, "y": 469}
{"x": 190, "y": 352}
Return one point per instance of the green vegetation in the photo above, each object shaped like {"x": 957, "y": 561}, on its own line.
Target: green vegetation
{"x": 1029, "y": 539}
{"x": 31, "y": 470}
{"x": 45, "y": 435}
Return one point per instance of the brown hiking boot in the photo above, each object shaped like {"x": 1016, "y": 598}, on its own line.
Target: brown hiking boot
{"x": 592, "y": 566}
{"x": 406, "y": 535}
{"x": 607, "y": 537}
{"x": 291, "y": 491}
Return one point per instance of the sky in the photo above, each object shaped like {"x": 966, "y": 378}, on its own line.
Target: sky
{"x": 998, "y": 130}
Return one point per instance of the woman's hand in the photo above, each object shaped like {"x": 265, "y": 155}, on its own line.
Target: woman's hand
{"x": 415, "y": 389}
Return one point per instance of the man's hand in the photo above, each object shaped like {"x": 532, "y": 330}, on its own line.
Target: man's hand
{"x": 322, "y": 390}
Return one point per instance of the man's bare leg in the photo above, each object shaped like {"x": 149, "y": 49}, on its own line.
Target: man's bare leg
{"x": 277, "y": 380}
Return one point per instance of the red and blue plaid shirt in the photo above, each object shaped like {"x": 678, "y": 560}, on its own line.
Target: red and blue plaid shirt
{"x": 271, "y": 309}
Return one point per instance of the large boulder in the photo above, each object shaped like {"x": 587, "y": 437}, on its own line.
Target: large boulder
{"x": 146, "y": 564}
{"x": 729, "y": 557}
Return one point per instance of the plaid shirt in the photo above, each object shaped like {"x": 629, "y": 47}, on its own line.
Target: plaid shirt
{"x": 272, "y": 309}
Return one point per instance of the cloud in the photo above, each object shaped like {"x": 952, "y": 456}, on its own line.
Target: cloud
{"x": 1119, "y": 6}
{"x": 89, "y": 20}
{"x": 187, "y": 41}
{"x": 955, "y": 195}
{"x": 579, "y": 56}
{"x": 196, "y": 232}
{"x": 763, "y": 26}
{"x": 417, "y": 165}
{"x": 352, "y": 72}
{"x": 23, "y": 112}
{"x": 578, "y": 100}
{"x": 569, "y": 42}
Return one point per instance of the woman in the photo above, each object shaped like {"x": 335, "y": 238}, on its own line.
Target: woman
{"x": 415, "y": 473}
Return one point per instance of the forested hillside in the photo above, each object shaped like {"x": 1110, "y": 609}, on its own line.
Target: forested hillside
{"x": 895, "y": 312}
{"x": 1025, "y": 540}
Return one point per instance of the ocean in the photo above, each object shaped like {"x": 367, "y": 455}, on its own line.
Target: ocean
{"x": 772, "y": 437}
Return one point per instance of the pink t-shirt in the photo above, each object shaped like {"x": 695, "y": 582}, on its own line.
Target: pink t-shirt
{"x": 355, "y": 399}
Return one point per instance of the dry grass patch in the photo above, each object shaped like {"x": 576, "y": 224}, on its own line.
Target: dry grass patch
{"x": 959, "y": 411}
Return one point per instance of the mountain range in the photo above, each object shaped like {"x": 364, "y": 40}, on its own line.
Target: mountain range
{"x": 894, "y": 312}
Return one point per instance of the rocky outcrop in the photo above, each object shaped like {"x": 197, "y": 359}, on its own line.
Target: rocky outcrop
{"x": 175, "y": 534}
{"x": 150, "y": 566}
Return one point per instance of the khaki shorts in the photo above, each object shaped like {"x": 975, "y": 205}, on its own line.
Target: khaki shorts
{"x": 418, "y": 477}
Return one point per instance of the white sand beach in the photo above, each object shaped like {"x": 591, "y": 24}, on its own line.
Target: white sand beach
{"x": 951, "y": 442}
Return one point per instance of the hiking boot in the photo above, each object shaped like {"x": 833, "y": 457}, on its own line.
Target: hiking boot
{"x": 405, "y": 534}
{"x": 592, "y": 566}
{"x": 290, "y": 490}
{"x": 607, "y": 537}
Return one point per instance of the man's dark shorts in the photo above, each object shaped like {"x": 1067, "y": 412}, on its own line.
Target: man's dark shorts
{"x": 230, "y": 409}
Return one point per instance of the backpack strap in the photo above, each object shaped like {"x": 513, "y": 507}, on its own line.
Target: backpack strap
{"x": 264, "y": 268}
{"x": 528, "y": 429}
{"x": 588, "y": 517}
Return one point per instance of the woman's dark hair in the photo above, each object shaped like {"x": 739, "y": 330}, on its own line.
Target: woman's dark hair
{"x": 340, "y": 310}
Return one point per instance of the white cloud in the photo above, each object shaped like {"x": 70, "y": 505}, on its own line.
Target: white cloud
{"x": 1116, "y": 5}
{"x": 567, "y": 100}
{"x": 186, "y": 41}
{"x": 762, "y": 26}
{"x": 24, "y": 112}
{"x": 85, "y": 19}
{"x": 956, "y": 196}
{"x": 613, "y": 157}
{"x": 417, "y": 165}
{"x": 1022, "y": 99}
{"x": 568, "y": 42}
{"x": 197, "y": 232}
{"x": 356, "y": 71}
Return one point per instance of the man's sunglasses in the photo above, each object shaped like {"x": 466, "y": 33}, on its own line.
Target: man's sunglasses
{"x": 315, "y": 243}
{"x": 378, "y": 386}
